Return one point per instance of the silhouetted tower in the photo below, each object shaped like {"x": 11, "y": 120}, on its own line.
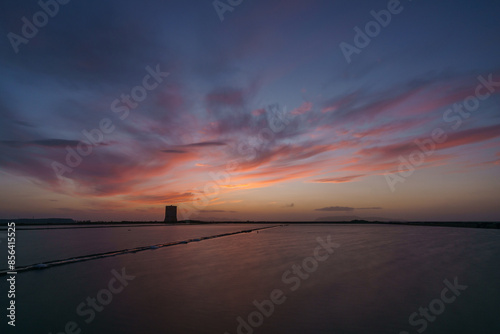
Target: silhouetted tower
{"x": 170, "y": 214}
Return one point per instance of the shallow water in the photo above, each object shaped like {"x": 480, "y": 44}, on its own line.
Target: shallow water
{"x": 377, "y": 277}
{"x": 37, "y": 245}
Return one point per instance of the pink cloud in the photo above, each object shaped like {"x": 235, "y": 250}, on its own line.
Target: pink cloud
{"x": 258, "y": 112}
{"x": 305, "y": 107}
{"x": 471, "y": 136}
{"x": 342, "y": 179}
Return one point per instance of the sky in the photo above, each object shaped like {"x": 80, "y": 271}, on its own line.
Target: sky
{"x": 239, "y": 110}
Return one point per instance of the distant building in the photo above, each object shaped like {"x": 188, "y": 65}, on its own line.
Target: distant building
{"x": 170, "y": 214}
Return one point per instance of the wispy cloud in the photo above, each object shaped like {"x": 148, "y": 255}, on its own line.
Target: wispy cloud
{"x": 340, "y": 179}
{"x": 41, "y": 142}
{"x": 174, "y": 151}
{"x": 217, "y": 211}
{"x": 345, "y": 208}
{"x": 206, "y": 143}
{"x": 336, "y": 208}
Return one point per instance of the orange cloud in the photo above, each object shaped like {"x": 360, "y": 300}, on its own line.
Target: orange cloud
{"x": 340, "y": 179}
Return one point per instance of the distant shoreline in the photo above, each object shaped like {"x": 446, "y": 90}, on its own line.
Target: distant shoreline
{"x": 71, "y": 224}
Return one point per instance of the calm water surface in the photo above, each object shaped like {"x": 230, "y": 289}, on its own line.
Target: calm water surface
{"x": 377, "y": 277}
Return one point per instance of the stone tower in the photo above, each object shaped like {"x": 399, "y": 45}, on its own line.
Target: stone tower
{"x": 170, "y": 214}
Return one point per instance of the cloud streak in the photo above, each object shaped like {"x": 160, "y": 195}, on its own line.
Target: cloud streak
{"x": 342, "y": 179}
{"x": 345, "y": 208}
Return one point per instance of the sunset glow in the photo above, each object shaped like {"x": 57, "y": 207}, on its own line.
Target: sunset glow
{"x": 258, "y": 117}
